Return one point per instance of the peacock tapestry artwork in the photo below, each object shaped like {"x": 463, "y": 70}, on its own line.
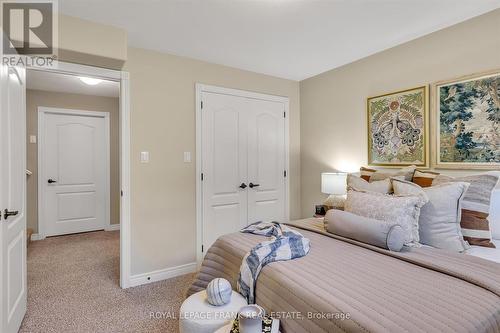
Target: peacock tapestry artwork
{"x": 469, "y": 121}
{"x": 397, "y": 128}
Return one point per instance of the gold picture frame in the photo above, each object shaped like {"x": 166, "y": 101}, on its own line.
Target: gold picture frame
{"x": 450, "y": 150}
{"x": 398, "y": 128}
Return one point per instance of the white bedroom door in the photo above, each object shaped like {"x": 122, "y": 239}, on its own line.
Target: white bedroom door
{"x": 12, "y": 199}
{"x": 74, "y": 169}
{"x": 224, "y": 165}
{"x": 243, "y": 163}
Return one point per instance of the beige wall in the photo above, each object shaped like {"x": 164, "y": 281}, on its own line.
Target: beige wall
{"x": 333, "y": 104}
{"x": 163, "y": 123}
{"x": 86, "y": 42}
{"x": 163, "y": 222}
{"x": 36, "y": 98}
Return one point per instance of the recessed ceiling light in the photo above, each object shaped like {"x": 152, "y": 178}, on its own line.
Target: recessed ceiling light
{"x": 90, "y": 80}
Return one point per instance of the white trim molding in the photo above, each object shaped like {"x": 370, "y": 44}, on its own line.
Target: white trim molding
{"x": 112, "y": 227}
{"x": 200, "y": 88}
{"x": 123, "y": 78}
{"x": 125, "y": 205}
{"x": 36, "y": 237}
{"x": 162, "y": 274}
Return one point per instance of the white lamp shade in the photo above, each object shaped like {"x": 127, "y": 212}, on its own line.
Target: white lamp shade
{"x": 333, "y": 183}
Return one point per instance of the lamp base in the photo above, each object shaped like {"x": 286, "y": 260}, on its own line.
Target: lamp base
{"x": 335, "y": 201}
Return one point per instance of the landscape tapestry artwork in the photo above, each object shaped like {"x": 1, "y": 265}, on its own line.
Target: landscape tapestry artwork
{"x": 469, "y": 122}
{"x": 397, "y": 128}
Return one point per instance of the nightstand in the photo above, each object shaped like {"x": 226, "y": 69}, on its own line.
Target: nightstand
{"x": 321, "y": 216}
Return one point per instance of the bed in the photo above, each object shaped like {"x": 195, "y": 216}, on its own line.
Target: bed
{"x": 346, "y": 286}
{"x": 494, "y": 218}
{"x": 486, "y": 252}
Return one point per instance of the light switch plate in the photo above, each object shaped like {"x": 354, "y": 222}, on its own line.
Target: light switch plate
{"x": 144, "y": 156}
{"x": 32, "y": 138}
{"x": 187, "y": 157}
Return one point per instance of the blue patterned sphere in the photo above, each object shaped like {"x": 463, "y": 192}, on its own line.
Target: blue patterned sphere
{"x": 219, "y": 292}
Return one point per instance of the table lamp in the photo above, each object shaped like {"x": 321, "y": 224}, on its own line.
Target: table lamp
{"x": 334, "y": 184}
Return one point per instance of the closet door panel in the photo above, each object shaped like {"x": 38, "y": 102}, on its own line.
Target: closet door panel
{"x": 266, "y": 162}
{"x": 224, "y": 165}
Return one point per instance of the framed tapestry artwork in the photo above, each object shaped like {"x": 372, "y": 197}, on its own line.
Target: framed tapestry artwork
{"x": 466, "y": 122}
{"x": 398, "y": 128}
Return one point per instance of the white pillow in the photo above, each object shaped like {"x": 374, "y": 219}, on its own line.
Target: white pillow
{"x": 439, "y": 222}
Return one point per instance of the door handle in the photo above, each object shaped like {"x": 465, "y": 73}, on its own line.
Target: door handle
{"x": 50, "y": 181}
{"x": 243, "y": 186}
{"x": 7, "y": 213}
{"x": 252, "y": 185}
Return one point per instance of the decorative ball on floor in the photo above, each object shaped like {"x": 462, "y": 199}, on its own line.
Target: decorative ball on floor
{"x": 219, "y": 292}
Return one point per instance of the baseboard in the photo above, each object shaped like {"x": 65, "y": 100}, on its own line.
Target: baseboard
{"x": 35, "y": 237}
{"x": 162, "y": 274}
{"x": 112, "y": 227}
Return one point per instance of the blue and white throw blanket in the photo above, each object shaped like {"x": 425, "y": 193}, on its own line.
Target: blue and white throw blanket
{"x": 285, "y": 244}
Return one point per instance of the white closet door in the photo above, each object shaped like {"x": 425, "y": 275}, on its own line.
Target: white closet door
{"x": 224, "y": 165}
{"x": 266, "y": 162}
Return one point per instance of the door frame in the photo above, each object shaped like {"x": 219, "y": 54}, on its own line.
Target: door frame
{"x": 201, "y": 88}
{"x": 125, "y": 207}
{"x": 42, "y": 113}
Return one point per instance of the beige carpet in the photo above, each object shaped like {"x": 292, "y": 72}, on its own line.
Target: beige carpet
{"x": 73, "y": 287}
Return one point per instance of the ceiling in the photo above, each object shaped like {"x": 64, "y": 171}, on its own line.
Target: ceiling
{"x": 47, "y": 81}
{"x": 293, "y": 39}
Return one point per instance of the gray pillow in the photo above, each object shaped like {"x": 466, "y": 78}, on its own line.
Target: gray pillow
{"x": 365, "y": 230}
{"x": 439, "y": 221}
{"x": 390, "y": 209}
{"x": 475, "y": 207}
{"x": 359, "y": 184}
{"x": 406, "y": 172}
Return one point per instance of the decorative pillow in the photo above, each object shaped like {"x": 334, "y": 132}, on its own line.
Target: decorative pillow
{"x": 475, "y": 207}
{"x": 424, "y": 178}
{"x": 360, "y": 184}
{"x": 372, "y": 175}
{"x": 403, "y": 211}
{"x": 366, "y": 173}
{"x": 366, "y": 230}
{"x": 439, "y": 222}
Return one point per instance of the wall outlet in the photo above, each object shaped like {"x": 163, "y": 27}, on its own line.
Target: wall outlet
{"x": 32, "y": 138}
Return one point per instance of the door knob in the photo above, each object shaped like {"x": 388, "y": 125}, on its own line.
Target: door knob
{"x": 7, "y": 213}
{"x": 50, "y": 181}
{"x": 243, "y": 185}
{"x": 252, "y": 185}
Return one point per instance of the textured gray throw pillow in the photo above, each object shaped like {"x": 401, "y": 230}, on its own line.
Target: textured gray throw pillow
{"x": 439, "y": 222}
{"x": 393, "y": 210}
{"x": 365, "y": 230}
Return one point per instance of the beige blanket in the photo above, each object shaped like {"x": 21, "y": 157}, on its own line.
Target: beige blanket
{"x": 346, "y": 286}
